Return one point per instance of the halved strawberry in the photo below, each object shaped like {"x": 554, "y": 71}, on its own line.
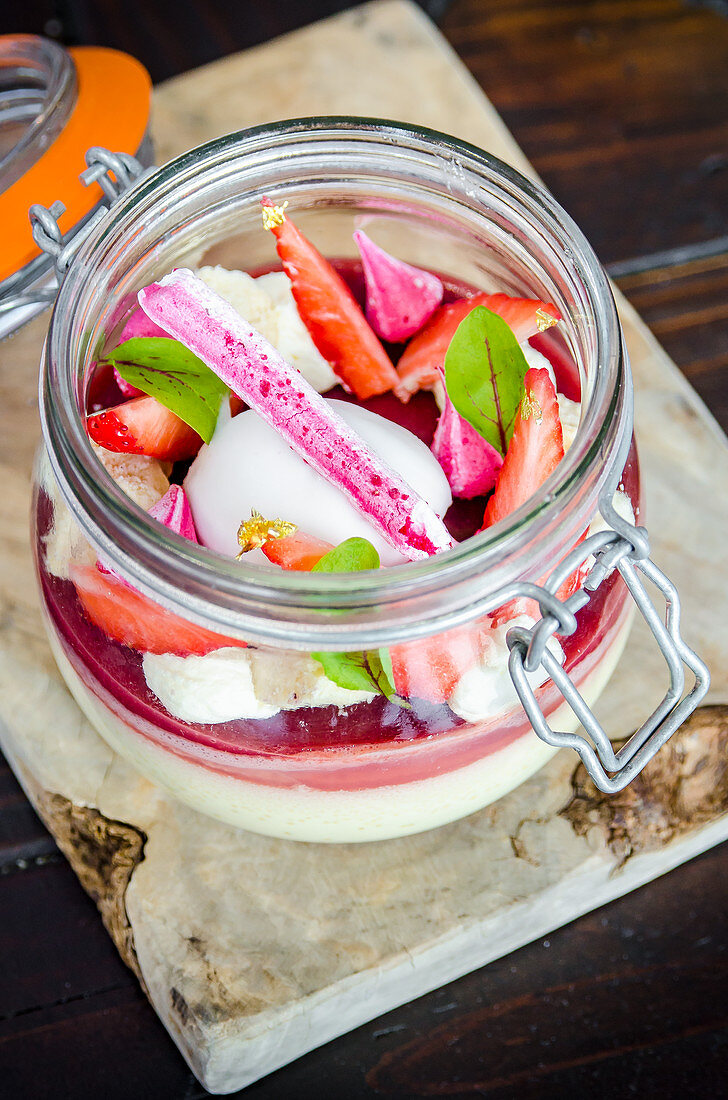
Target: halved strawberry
{"x": 430, "y": 668}
{"x": 535, "y": 449}
{"x": 143, "y": 426}
{"x": 132, "y": 619}
{"x": 563, "y": 363}
{"x": 298, "y": 551}
{"x": 329, "y": 311}
{"x": 424, "y": 356}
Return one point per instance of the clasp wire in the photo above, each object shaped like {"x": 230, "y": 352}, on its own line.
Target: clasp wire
{"x": 626, "y": 548}
{"x": 115, "y": 173}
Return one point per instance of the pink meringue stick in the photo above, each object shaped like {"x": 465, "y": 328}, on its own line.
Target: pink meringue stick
{"x": 138, "y": 324}
{"x": 400, "y": 298}
{"x": 211, "y": 328}
{"x": 469, "y": 462}
{"x": 173, "y": 510}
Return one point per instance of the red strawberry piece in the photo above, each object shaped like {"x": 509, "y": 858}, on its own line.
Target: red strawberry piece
{"x": 535, "y": 450}
{"x": 524, "y": 316}
{"x": 424, "y": 356}
{"x": 523, "y": 606}
{"x": 298, "y": 551}
{"x": 330, "y": 312}
{"x": 431, "y": 667}
{"x": 132, "y": 619}
{"x": 143, "y": 426}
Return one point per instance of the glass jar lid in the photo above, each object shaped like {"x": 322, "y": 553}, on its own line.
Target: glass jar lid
{"x": 54, "y": 105}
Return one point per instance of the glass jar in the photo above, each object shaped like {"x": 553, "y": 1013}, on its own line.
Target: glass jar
{"x": 309, "y": 760}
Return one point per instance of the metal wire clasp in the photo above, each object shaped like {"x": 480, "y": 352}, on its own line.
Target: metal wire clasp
{"x": 115, "y": 173}
{"x": 626, "y": 548}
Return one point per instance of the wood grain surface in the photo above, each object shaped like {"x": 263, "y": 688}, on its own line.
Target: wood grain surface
{"x": 623, "y": 109}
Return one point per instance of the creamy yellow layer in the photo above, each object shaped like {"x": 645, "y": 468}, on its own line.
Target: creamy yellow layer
{"x": 306, "y": 814}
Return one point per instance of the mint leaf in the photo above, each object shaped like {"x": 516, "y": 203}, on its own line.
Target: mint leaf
{"x": 363, "y": 671}
{"x": 167, "y": 370}
{"x": 348, "y": 670}
{"x": 386, "y": 659}
{"x": 381, "y": 665}
{"x": 348, "y": 557}
{"x": 484, "y": 372}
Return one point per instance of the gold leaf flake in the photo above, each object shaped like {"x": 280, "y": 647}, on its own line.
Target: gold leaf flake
{"x": 530, "y": 407}
{"x": 274, "y": 215}
{"x": 544, "y": 320}
{"x": 253, "y": 532}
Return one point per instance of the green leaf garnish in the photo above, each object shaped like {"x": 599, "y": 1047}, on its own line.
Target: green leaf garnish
{"x": 348, "y": 670}
{"x": 484, "y": 372}
{"x": 167, "y": 370}
{"x": 363, "y": 671}
{"x": 350, "y": 556}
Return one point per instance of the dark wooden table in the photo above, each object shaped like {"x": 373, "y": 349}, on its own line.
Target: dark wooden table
{"x": 623, "y": 109}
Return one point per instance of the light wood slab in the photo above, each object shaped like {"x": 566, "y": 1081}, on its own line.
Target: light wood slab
{"x": 254, "y": 950}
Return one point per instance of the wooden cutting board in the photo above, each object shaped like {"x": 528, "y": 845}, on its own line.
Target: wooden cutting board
{"x": 254, "y": 950}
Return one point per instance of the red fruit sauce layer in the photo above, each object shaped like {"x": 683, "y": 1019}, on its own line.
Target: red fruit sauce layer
{"x": 115, "y": 674}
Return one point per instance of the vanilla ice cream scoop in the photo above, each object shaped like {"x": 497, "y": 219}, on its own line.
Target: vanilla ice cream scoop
{"x": 248, "y": 465}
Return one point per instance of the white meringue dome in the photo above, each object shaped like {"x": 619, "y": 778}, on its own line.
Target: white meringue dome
{"x": 249, "y": 466}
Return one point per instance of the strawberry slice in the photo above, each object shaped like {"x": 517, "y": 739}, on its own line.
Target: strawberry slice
{"x": 535, "y": 449}
{"x": 430, "y": 668}
{"x": 299, "y": 551}
{"x": 143, "y": 426}
{"x": 329, "y": 311}
{"x": 132, "y": 619}
{"x": 534, "y": 452}
{"x": 424, "y": 357}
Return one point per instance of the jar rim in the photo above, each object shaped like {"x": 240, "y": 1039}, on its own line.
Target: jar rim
{"x": 310, "y": 610}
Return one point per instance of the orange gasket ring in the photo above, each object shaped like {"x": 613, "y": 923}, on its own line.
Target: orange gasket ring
{"x": 112, "y": 109}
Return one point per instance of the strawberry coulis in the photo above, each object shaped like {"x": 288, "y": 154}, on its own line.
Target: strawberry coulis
{"x": 369, "y": 744}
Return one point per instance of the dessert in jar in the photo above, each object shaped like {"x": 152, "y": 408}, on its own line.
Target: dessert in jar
{"x": 310, "y": 410}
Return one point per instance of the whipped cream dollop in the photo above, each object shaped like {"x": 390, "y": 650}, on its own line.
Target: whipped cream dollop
{"x": 233, "y": 683}
{"x": 486, "y": 689}
{"x": 267, "y": 304}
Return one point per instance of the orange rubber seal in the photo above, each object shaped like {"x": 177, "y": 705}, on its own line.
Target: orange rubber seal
{"x": 112, "y": 110}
